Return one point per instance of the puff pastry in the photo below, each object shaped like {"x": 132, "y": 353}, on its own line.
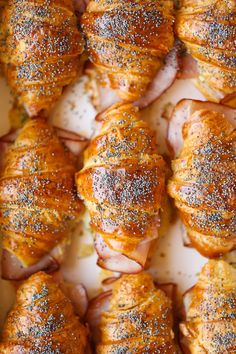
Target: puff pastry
{"x": 127, "y": 41}
{"x": 38, "y": 202}
{"x": 42, "y": 321}
{"x": 210, "y": 311}
{"x": 122, "y": 184}
{"x": 40, "y": 50}
{"x": 208, "y": 29}
{"x": 204, "y": 173}
{"x": 137, "y": 318}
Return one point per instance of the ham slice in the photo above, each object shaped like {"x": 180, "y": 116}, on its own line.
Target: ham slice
{"x": 76, "y": 143}
{"x": 163, "y": 80}
{"x": 12, "y": 268}
{"x": 80, "y": 5}
{"x": 78, "y": 296}
{"x": 170, "y": 289}
{"x": 97, "y": 307}
{"x": 118, "y": 262}
{"x": 188, "y": 68}
{"x": 185, "y": 109}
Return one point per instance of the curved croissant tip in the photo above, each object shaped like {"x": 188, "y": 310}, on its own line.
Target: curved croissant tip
{"x": 12, "y": 268}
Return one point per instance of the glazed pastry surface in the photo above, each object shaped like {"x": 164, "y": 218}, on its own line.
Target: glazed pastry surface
{"x": 122, "y": 184}
{"x": 40, "y": 50}
{"x": 139, "y": 319}
{"x": 208, "y": 29}
{"x": 210, "y": 325}
{"x": 38, "y": 202}
{"x": 42, "y": 321}
{"x": 128, "y": 41}
{"x": 203, "y": 182}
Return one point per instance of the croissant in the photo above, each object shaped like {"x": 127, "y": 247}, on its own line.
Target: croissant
{"x": 127, "y": 41}
{"x": 41, "y": 50}
{"x": 204, "y": 172}
{"x": 210, "y": 306}
{"x": 42, "y": 321}
{"x": 122, "y": 184}
{"x": 134, "y": 317}
{"x": 208, "y": 29}
{"x": 38, "y": 202}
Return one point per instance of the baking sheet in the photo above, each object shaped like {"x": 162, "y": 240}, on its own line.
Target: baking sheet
{"x": 172, "y": 262}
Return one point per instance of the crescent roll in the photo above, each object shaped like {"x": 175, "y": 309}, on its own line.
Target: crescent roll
{"x": 128, "y": 41}
{"x": 38, "y": 201}
{"x": 204, "y": 173}
{"x": 134, "y": 317}
{"x": 210, "y": 311}
{"x": 208, "y": 29}
{"x": 40, "y": 50}
{"x": 42, "y": 321}
{"x": 122, "y": 184}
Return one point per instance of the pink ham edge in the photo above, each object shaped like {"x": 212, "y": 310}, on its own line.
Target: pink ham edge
{"x": 80, "y": 5}
{"x": 163, "y": 80}
{"x": 188, "y": 68}
{"x": 97, "y": 306}
{"x": 76, "y": 143}
{"x": 118, "y": 262}
{"x": 12, "y": 268}
{"x": 183, "y": 110}
{"x": 77, "y": 295}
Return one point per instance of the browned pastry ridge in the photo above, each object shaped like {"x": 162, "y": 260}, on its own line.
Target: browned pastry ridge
{"x": 138, "y": 318}
{"x": 203, "y": 182}
{"x": 210, "y": 306}
{"x": 42, "y": 321}
{"x": 127, "y": 41}
{"x": 122, "y": 184}
{"x": 208, "y": 29}
{"x": 40, "y": 50}
{"x": 38, "y": 202}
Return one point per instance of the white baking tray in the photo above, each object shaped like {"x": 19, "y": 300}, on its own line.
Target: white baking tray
{"x": 172, "y": 261}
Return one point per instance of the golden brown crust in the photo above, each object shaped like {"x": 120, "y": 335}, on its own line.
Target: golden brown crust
{"x": 122, "y": 181}
{"x": 40, "y": 51}
{"x": 210, "y": 325}
{"x": 38, "y": 202}
{"x": 128, "y": 41}
{"x": 42, "y": 321}
{"x": 139, "y": 319}
{"x": 208, "y": 29}
{"x": 203, "y": 182}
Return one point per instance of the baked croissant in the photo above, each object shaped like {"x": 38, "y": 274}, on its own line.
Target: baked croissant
{"x": 210, "y": 311}
{"x": 41, "y": 50}
{"x": 208, "y": 29}
{"x": 42, "y": 321}
{"x": 127, "y": 41}
{"x": 204, "y": 173}
{"x": 122, "y": 184}
{"x": 38, "y": 202}
{"x": 135, "y": 317}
